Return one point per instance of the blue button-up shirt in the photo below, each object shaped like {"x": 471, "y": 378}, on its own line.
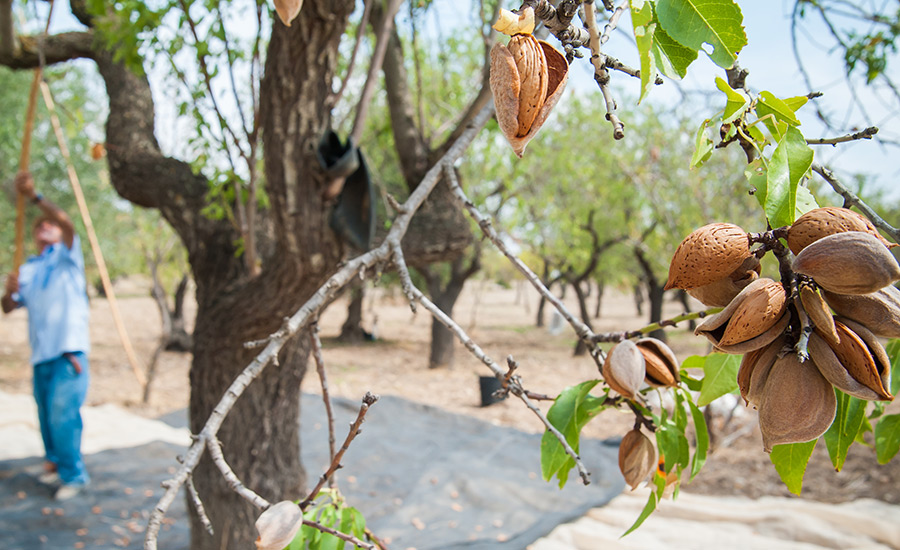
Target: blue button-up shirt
{"x": 52, "y": 287}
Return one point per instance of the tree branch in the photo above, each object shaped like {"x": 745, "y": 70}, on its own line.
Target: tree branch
{"x": 381, "y": 43}
{"x": 850, "y": 199}
{"x": 512, "y": 384}
{"x": 360, "y": 32}
{"x": 343, "y": 536}
{"x": 56, "y": 48}
{"x": 598, "y": 60}
{"x": 559, "y": 21}
{"x": 582, "y": 330}
{"x": 323, "y": 379}
{"x": 355, "y": 430}
{"x": 864, "y": 134}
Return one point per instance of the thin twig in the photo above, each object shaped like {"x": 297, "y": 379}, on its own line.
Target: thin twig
{"x": 581, "y": 329}
{"x": 559, "y": 25}
{"x": 323, "y": 379}
{"x": 343, "y": 536}
{"x": 625, "y": 335}
{"x": 864, "y": 134}
{"x": 601, "y": 75}
{"x": 235, "y": 484}
{"x": 198, "y": 507}
{"x": 384, "y": 34}
{"x": 514, "y": 386}
{"x": 355, "y": 430}
{"x": 300, "y": 319}
{"x": 360, "y": 32}
{"x": 806, "y": 328}
{"x": 207, "y": 79}
{"x": 851, "y": 199}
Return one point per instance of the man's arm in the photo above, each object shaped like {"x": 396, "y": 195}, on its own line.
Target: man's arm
{"x": 12, "y": 286}
{"x": 25, "y": 185}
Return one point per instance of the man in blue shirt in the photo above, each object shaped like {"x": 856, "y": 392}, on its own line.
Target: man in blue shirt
{"x": 51, "y": 286}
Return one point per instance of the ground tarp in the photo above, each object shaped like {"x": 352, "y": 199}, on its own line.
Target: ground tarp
{"x": 423, "y": 478}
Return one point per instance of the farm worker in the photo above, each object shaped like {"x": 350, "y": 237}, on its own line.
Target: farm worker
{"x": 51, "y": 286}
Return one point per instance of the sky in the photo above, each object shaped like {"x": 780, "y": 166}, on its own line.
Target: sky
{"x": 768, "y": 56}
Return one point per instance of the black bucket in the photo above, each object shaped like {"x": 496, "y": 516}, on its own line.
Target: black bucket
{"x": 489, "y": 385}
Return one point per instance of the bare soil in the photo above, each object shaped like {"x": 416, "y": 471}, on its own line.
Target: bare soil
{"x": 502, "y": 323}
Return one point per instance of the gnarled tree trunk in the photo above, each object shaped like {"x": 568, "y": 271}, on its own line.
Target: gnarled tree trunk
{"x": 260, "y": 436}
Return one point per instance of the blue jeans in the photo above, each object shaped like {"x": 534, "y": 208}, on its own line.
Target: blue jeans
{"x": 60, "y": 390}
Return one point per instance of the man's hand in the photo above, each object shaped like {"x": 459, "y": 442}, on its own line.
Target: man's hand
{"x": 7, "y": 303}
{"x": 12, "y": 284}
{"x": 25, "y": 184}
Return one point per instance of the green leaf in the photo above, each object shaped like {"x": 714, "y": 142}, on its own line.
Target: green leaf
{"x": 863, "y": 430}
{"x": 790, "y": 462}
{"x": 887, "y": 438}
{"x": 736, "y": 103}
{"x": 794, "y": 103}
{"x": 851, "y": 412}
{"x": 694, "y": 362}
{"x": 297, "y": 542}
{"x": 573, "y": 408}
{"x": 644, "y": 26}
{"x": 702, "y": 439}
{"x": 355, "y": 520}
{"x": 694, "y": 23}
{"x": 805, "y": 201}
{"x": 893, "y": 350}
{"x": 757, "y": 177}
{"x": 672, "y": 445}
{"x": 672, "y": 59}
{"x": 790, "y": 162}
{"x": 659, "y": 483}
{"x": 769, "y": 104}
{"x": 757, "y": 135}
{"x": 719, "y": 377}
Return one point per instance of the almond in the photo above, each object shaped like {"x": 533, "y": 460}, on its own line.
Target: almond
{"x": 829, "y": 220}
{"x": 709, "y": 253}
{"x": 852, "y": 262}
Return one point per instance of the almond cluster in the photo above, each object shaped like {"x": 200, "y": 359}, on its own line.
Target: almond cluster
{"x": 843, "y": 300}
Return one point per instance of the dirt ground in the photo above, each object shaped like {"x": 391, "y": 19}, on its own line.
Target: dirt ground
{"x": 502, "y": 322}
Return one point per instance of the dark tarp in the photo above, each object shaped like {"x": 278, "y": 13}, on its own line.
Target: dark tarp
{"x": 422, "y": 477}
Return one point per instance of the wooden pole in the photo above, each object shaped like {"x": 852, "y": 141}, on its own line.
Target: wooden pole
{"x": 92, "y": 237}
{"x": 19, "y": 256}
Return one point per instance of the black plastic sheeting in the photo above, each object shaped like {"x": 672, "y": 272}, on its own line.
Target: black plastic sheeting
{"x": 422, "y": 477}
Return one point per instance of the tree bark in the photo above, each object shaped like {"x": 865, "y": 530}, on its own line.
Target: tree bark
{"x": 655, "y": 291}
{"x": 442, "y": 339}
{"x": 260, "y": 437}
{"x": 352, "y": 331}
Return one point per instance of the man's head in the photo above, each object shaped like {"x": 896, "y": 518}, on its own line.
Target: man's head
{"x": 46, "y": 231}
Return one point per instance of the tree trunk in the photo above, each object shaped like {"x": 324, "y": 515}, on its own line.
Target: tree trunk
{"x": 442, "y": 339}
{"x": 260, "y": 436}
{"x": 352, "y": 331}
{"x": 656, "y": 294}
{"x": 545, "y": 278}
{"x": 540, "y": 311}
{"x": 655, "y": 290}
{"x": 601, "y": 288}
{"x": 581, "y": 347}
